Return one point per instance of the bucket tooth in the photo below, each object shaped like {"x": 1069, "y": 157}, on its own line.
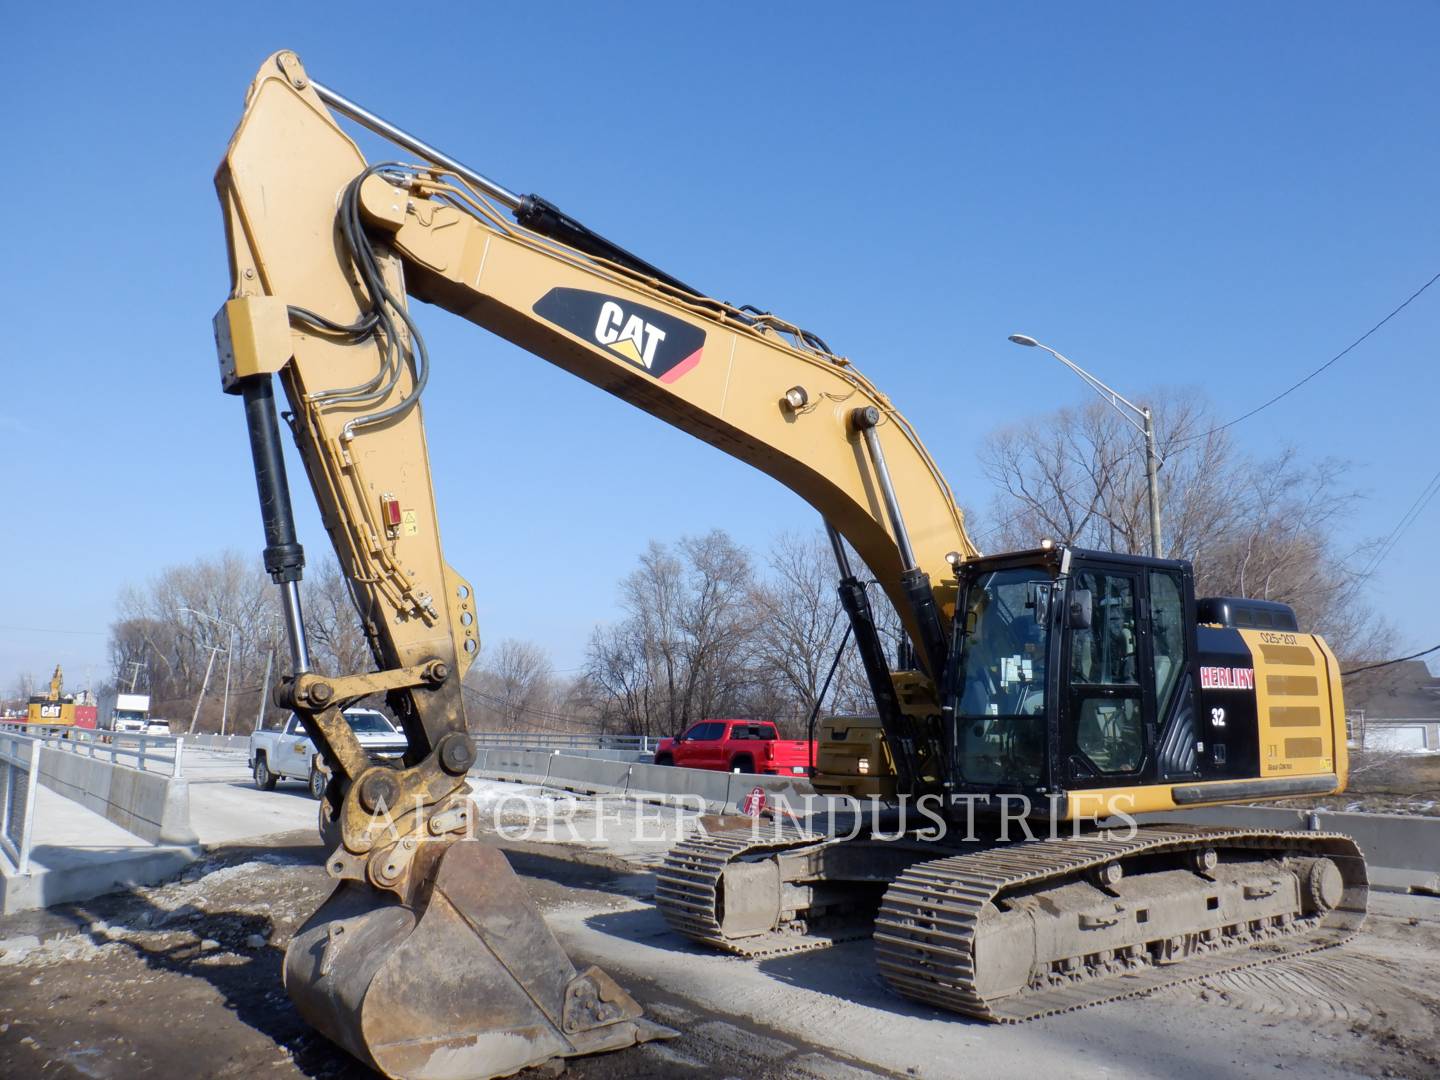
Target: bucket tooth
{"x": 467, "y": 984}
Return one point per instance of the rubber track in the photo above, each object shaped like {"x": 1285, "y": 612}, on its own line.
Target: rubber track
{"x": 687, "y": 889}
{"x": 924, "y": 933}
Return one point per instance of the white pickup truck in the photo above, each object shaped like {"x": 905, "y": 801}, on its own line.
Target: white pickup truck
{"x": 288, "y": 754}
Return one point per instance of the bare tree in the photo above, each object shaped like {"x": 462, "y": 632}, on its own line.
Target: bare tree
{"x": 19, "y": 696}
{"x": 800, "y": 626}
{"x": 512, "y": 689}
{"x": 1078, "y": 476}
{"x": 157, "y": 625}
{"x": 681, "y": 652}
{"x": 332, "y": 623}
{"x": 1258, "y": 528}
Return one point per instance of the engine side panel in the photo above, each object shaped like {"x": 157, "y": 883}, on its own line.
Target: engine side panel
{"x": 1294, "y": 703}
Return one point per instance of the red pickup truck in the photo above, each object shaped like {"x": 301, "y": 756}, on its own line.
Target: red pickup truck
{"x": 747, "y": 746}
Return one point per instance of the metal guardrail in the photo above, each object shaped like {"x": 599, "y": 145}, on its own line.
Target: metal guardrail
{"x": 551, "y": 741}
{"x": 134, "y": 749}
{"x": 19, "y": 779}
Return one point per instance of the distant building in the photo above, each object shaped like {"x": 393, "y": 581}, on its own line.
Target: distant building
{"x": 1393, "y": 708}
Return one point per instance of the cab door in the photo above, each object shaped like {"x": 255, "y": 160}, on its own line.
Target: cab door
{"x": 1108, "y": 694}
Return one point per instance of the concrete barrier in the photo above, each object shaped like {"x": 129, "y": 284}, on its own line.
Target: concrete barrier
{"x": 630, "y": 757}
{"x": 587, "y": 775}
{"x": 152, "y": 806}
{"x": 1401, "y": 850}
{"x": 786, "y": 791}
{"x": 712, "y": 788}
{"x": 524, "y": 766}
{"x": 219, "y": 742}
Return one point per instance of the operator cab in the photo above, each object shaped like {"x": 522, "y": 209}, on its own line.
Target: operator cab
{"x": 1072, "y": 670}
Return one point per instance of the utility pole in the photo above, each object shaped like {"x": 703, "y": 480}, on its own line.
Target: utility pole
{"x": 264, "y": 689}
{"x": 229, "y": 660}
{"x": 204, "y": 683}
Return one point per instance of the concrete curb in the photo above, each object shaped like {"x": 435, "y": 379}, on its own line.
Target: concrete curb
{"x": 46, "y": 886}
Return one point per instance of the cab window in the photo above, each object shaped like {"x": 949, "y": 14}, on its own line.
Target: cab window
{"x": 1001, "y": 677}
{"x": 1167, "y": 627}
{"x": 1106, "y": 697}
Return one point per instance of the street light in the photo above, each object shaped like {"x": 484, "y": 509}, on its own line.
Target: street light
{"x": 1146, "y": 427}
{"x": 229, "y": 657}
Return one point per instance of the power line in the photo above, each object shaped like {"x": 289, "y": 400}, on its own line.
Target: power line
{"x": 529, "y": 710}
{"x": 1231, "y": 424}
{"x": 53, "y": 630}
{"x": 1428, "y": 492}
{"x": 1342, "y": 353}
{"x": 1387, "y": 663}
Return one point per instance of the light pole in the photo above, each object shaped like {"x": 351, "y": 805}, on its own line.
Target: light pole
{"x": 229, "y": 658}
{"x": 1146, "y": 427}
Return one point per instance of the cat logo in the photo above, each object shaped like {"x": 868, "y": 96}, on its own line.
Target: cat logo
{"x": 632, "y": 337}
{"x": 651, "y": 340}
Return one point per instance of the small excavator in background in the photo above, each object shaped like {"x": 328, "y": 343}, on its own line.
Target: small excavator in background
{"x": 59, "y": 709}
{"x": 1077, "y": 683}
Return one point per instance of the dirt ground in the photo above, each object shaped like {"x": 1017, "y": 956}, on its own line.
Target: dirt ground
{"x": 183, "y": 980}
{"x": 1384, "y": 783}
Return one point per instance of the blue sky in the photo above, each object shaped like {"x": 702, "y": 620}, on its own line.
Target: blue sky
{"x": 1220, "y": 195}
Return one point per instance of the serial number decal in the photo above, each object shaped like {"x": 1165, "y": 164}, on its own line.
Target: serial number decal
{"x": 1227, "y": 678}
{"x": 1278, "y": 639}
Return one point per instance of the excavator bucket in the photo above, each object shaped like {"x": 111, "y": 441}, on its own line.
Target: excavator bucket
{"x": 467, "y": 984}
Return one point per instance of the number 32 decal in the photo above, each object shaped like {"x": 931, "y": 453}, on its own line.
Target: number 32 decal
{"x": 1217, "y": 717}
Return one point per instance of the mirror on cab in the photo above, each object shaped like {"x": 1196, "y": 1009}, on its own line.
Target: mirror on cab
{"x": 1037, "y": 599}
{"x": 1080, "y": 608}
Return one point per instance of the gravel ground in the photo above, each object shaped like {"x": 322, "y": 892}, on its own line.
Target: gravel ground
{"x": 183, "y": 980}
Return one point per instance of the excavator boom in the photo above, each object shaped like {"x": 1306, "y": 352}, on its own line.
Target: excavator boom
{"x": 428, "y": 959}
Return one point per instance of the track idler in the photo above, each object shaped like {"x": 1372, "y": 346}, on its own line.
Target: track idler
{"x": 466, "y": 983}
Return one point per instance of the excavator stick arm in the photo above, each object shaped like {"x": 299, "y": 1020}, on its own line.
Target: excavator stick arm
{"x": 428, "y": 960}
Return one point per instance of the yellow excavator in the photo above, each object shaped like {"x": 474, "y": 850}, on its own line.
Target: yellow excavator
{"x": 1055, "y": 686}
{"x": 56, "y": 707}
